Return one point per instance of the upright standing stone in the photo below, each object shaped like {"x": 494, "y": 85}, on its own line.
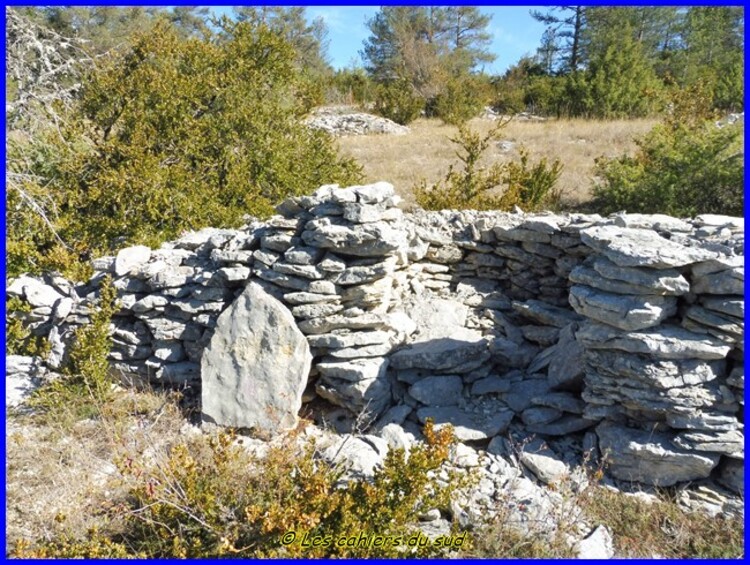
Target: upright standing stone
{"x": 255, "y": 368}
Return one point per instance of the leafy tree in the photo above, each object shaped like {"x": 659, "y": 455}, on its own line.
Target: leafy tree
{"x": 621, "y": 82}
{"x": 177, "y": 134}
{"x": 309, "y": 40}
{"x": 426, "y": 46}
{"x": 565, "y": 23}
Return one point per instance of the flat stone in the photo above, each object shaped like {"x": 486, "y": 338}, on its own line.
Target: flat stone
{"x": 36, "y": 293}
{"x": 728, "y": 305}
{"x": 353, "y": 370}
{"x": 665, "y": 342}
{"x": 365, "y": 240}
{"x": 359, "y": 213}
{"x": 566, "y": 425}
{"x": 366, "y": 398}
{"x": 131, "y": 258}
{"x": 545, "y": 314}
{"x": 729, "y": 281}
{"x": 366, "y": 321}
{"x": 663, "y": 374}
{"x": 305, "y": 271}
{"x": 309, "y": 298}
{"x": 256, "y": 365}
{"x": 376, "y": 350}
{"x": 627, "y": 312}
{"x": 720, "y": 220}
{"x": 540, "y": 415}
{"x": 301, "y": 255}
{"x": 726, "y": 442}
{"x": 628, "y": 247}
{"x": 349, "y": 339}
{"x": 373, "y": 193}
{"x": 660, "y": 281}
{"x": 359, "y": 455}
{"x": 491, "y": 385}
{"x": 521, "y": 393}
{"x": 364, "y": 274}
{"x": 563, "y": 401}
{"x": 565, "y": 363}
{"x": 467, "y": 350}
{"x": 650, "y": 457}
{"x": 332, "y": 264}
{"x": 543, "y": 462}
{"x": 657, "y": 222}
{"x": 467, "y": 426}
{"x": 584, "y": 275}
{"x": 266, "y": 257}
{"x": 444, "y": 390}
{"x": 316, "y": 310}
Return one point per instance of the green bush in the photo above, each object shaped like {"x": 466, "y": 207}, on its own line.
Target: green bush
{"x": 462, "y": 99}
{"x": 478, "y": 188}
{"x": 682, "y": 168}
{"x": 210, "y": 498}
{"x": 18, "y": 337}
{"x": 170, "y": 135}
{"x": 397, "y": 101}
{"x": 86, "y": 383}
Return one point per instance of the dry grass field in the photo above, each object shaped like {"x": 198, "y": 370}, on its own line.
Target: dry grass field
{"x": 426, "y": 151}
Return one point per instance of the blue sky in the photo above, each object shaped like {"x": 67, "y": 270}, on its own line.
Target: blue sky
{"x": 514, "y": 32}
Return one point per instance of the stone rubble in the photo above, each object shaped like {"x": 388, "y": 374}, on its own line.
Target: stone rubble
{"x": 347, "y": 121}
{"x": 628, "y": 330}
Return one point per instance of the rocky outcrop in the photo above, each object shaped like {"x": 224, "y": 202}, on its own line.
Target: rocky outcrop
{"x": 547, "y": 325}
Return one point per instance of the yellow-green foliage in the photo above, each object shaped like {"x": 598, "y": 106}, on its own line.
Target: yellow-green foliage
{"x": 478, "y": 188}
{"x": 462, "y": 98}
{"x": 210, "y": 498}
{"x": 683, "y": 167}
{"x": 397, "y": 101}
{"x": 86, "y": 383}
{"x": 18, "y": 337}
{"x": 173, "y": 134}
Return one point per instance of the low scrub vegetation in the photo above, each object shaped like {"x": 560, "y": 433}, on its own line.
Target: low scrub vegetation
{"x": 479, "y": 188}
{"x": 209, "y": 498}
{"x": 685, "y": 166}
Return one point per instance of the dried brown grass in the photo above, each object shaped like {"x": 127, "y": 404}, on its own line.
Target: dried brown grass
{"x": 426, "y": 151}
{"x": 62, "y": 477}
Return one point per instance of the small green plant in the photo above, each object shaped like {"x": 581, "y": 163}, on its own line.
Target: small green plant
{"x": 86, "y": 384}
{"x": 534, "y": 184}
{"x": 19, "y": 340}
{"x": 210, "y": 498}
{"x": 397, "y": 101}
{"x": 462, "y": 99}
{"x": 476, "y": 187}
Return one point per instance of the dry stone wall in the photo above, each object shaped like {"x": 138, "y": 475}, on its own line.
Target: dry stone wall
{"x": 628, "y": 329}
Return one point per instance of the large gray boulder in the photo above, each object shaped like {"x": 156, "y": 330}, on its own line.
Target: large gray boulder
{"x": 256, "y": 365}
